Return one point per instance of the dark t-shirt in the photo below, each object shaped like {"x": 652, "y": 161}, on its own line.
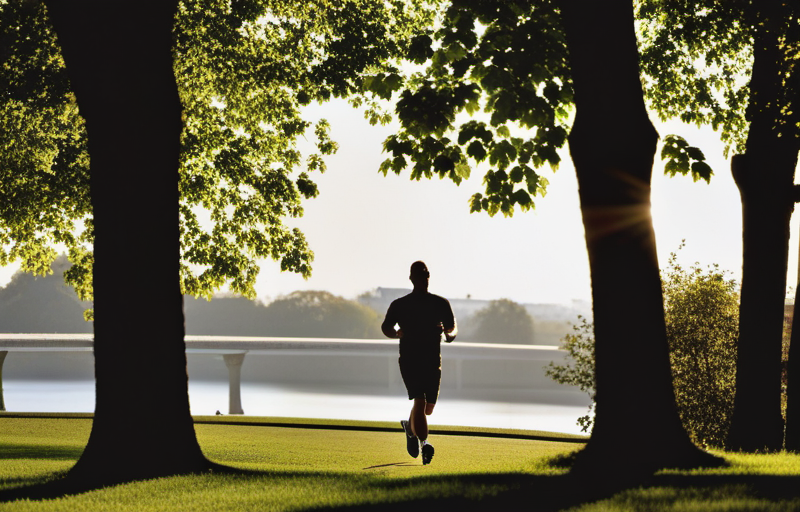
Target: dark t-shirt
{"x": 421, "y": 316}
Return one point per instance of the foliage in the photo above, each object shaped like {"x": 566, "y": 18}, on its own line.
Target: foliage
{"x": 695, "y": 59}
{"x": 506, "y": 63}
{"x": 300, "y": 314}
{"x": 320, "y": 314}
{"x": 502, "y": 321}
{"x": 507, "y": 60}
{"x": 580, "y": 372}
{"x": 702, "y": 317}
{"x": 244, "y": 70}
{"x": 44, "y": 164}
{"x": 684, "y": 159}
{"x": 31, "y": 303}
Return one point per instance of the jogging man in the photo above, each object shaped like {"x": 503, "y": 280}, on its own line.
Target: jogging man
{"x": 423, "y": 318}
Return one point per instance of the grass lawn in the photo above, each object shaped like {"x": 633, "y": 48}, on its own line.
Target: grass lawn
{"x": 323, "y": 468}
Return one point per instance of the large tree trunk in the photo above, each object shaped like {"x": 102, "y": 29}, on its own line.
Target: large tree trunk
{"x": 765, "y": 177}
{"x": 792, "y": 431}
{"x": 612, "y": 144}
{"x": 118, "y": 55}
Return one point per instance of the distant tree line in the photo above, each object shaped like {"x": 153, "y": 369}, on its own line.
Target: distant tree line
{"x": 501, "y": 321}
{"x": 31, "y": 303}
{"x": 304, "y": 314}
{"x": 45, "y": 304}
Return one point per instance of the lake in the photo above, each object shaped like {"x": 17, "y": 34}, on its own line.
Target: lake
{"x": 260, "y": 399}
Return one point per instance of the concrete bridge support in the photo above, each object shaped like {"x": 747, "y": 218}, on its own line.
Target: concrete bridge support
{"x": 3, "y": 354}
{"x": 234, "y": 364}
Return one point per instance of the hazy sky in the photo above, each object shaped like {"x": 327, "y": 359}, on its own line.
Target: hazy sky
{"x": 366, "y": 229}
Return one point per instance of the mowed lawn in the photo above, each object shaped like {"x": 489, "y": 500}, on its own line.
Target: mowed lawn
{"x": 297, "y": 468}
{"x": 285, "y": 468}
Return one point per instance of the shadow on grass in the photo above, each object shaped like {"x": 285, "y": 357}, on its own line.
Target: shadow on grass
{"x": 35, "y": 451}
{"x": 556, "y": 493}
{"x": 466, "y": 492}
{"x": 479, "y": 492}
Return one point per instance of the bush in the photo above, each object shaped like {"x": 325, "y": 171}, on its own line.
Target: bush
{"x": 580, "y": 373}
{"x": 702, "y": 315}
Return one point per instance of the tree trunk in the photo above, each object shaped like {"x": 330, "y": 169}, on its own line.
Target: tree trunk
{"x": 118, "y": 56}
{"x": 792, "y": 431}
{"x": 612, "y": 144}
{"x": 767, "y": 206}
{"x": 756, "y": 424}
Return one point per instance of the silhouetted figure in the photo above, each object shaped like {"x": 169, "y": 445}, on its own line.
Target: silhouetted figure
{"x": 422, "y": 317}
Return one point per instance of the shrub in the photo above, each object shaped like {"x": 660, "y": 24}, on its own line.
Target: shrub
{"x": 701, "y": 310}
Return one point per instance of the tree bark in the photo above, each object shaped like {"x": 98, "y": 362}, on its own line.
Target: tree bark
{"x": 119, "y": 60}
{"x": 792, "y": 429}
{"x": 612, "y": 144}
{"x": 765, "y": 177}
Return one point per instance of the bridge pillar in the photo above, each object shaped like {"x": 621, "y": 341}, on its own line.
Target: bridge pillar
{"x": 3, "y": 354}
{"x": 234, "y": 364}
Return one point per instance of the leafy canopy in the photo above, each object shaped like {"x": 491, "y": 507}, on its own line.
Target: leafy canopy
{"x": 696, "y": 58}
{"x": 494, "y": 87}
{"x": 506, "y": 60}
{"x": 244, "y": 70}
{"x": 697, "y": 61}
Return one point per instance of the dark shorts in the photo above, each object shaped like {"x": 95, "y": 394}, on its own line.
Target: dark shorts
{"x": 422, "y": 378}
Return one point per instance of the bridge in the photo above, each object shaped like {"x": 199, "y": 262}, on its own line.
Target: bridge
{"x": 233, "y": 350}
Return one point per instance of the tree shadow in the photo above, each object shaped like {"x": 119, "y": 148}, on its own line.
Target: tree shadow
{"x": 561, "y": 492}
{"x": 485, "y": 491}
{"x": 537, "y": 492}
{"x": 68, "y": 483}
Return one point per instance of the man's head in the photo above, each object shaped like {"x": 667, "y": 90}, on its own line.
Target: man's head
{"x": 419, "y": 275}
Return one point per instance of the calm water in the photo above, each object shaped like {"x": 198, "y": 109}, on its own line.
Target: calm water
{"x": 270, "y": 400}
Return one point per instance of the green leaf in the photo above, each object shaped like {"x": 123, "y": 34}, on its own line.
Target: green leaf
{"x": 463, "y": 170}
{"x": 517, "y": 174}
{"x": 476, "y": 203}
{"x": 701, "y": 170}
{"x": 420, "y": 49}
{"x": 502, "y": 154}
{"x": 443, "y": 164}
{"x": 695, "y": 153}
{"x": 476, "y": 151}
{"x": 522, "y": 198}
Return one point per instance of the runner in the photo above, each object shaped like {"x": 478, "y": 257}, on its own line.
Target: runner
{"x": 422, "y": 318}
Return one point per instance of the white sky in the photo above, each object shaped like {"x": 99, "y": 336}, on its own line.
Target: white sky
{"x": 366, "y": 229}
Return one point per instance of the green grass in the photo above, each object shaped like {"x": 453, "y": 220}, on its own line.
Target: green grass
{"x": 321, "y": 468}
{"x": 299, "y": 468}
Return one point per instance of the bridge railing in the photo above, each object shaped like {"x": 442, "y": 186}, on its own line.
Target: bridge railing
{"x": 233, "y": 350}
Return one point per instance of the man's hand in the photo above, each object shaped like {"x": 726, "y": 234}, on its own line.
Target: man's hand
{"x": 448, "y": 337}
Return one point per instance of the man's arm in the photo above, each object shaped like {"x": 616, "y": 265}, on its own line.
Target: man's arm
{"x": 449, "y": 323}
{"x": 387, "y": 327}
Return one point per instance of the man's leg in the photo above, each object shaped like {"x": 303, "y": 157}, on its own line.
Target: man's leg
{"x": 417, "y": 419}
{"x": 420, "y": 411}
